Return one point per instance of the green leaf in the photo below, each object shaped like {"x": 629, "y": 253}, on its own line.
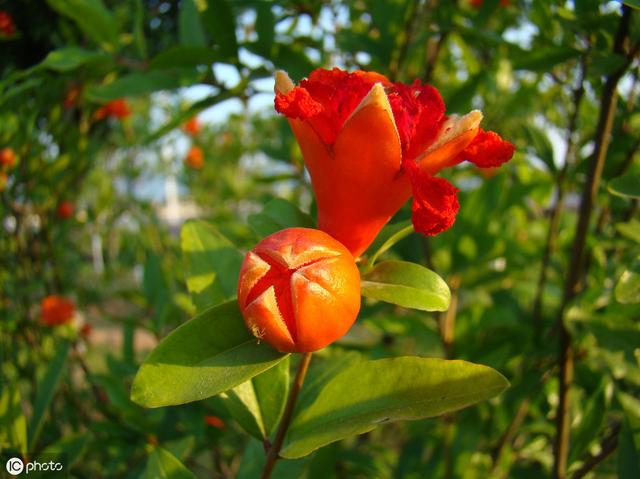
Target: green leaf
{"x": 136, "y": 84}
{"x": 70, "y": 58}
{"x": 627, "y": 290}
{"x": 190, "y": 29}
{"x": 164, "y": 465}
{"x": 277, "y": 215}
{"x": 253, "y": 460}
{"x": 138, "y": 29}
{"x": 388, "y": 237}
{"x": 265, "y": 27}
{"x": 207, "y": 355}
{"x": 46, "y": 388}
{"x": 628, "y": 454}
{"x": 13, "y": 424}
{"x": 544, "y": 59}
{"x": 156, "y": 289}
{"x": 258, "y": 403}
{"x": 364, "y": 395}
{"x": 69, "y": 449}
{"x": 589, "y": 427}
{"x": 92, "y": 18}
{"x": 540, "y": 142}
{"x": 627, "y": 186}
{"x": 406, "y": 284}
{"x": 212, "y": 264}
{"x": 630, "y": 229}
{"x": 221, "y": 24}
{"x": 184, "y": 57}
{"x": 632, "y": 3}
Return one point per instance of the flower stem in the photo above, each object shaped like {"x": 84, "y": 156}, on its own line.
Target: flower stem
{"x": 274, "y": 451}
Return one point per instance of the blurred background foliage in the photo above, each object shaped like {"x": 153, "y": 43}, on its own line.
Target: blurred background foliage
{"x": 540, "y": 72}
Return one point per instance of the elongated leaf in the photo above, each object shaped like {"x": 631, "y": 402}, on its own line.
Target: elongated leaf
{"x": 258, "y": 403}
{"x": 627, "y": 186}
{"x": 627, "y": 290}
{"x": 279, "y": 214}
{"x": 590, "y": 425}
{"x": 138, "y": 29}
{"x": 13, "y": 424}
{"x": 69, "y": 448}
{"x": 92, "y": 18}
{"x": 406, "y": 284}
{"x": 544, "y": 59}
{"x": 628, "y": 454}
{"x": 541, "y": 144}
{"x": 184, "y": 57}
{"x": 70, "y": 58}
{"x": 367, "y": 394}
{"x": 47, "y": 386}
{"x": 190, "y": 29}
{"x": 210, "y": 354}
{"x": 212, "y": 264}
{"x": 136, "y": 84}
{"x": 221, "y": 24}
{"x": 265, "y": 27}
{"x": 164, "y": 465}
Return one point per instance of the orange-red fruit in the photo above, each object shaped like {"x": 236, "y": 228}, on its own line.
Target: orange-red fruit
{"x": 299, "y": 290}
{"x": 7, "y": 158}
{"x": 56, "y": 310}
{"x": 195, "y": 158}
{"x": 65, "y": 210}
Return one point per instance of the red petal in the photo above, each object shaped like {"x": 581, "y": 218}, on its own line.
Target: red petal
{"x": 435, "y": 201}
{"x": 297, "y": 104}
{"x": 488, "y": 150}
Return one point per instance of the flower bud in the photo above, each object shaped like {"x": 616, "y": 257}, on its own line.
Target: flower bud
{"x": 299, "y": 290}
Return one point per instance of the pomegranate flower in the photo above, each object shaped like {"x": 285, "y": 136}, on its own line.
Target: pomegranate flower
{"x": 369, "y": 144}
{"x": 7, "y": 27}
{"x": 56, "y": 310}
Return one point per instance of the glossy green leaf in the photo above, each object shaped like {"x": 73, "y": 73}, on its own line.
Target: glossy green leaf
{"x": 207, "y": 355}
{"x": 70, "y": 58}
{"x": 212, "y": 264}
{"x": 46, "y": 388}
{"x": 136, "y": 84}
{"x": 92, "y": 18}
{"x": 406, "y": 284}
{"x": 190, "y": 30}
{"x": 277, "y": 215}
{"x": 258, "y": 404}
{"x": 164, "y": 465}
{"x": 220, "y": 22}
{"x": 364, "y": 395}
{"x": 627, "y": 186}
{"x": 13, "y": 424}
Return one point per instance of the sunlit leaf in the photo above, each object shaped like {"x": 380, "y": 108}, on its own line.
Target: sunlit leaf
{"x": 205, "y": 356}
{"x": 363, "y": 396}
{"x": 164, "y": 465}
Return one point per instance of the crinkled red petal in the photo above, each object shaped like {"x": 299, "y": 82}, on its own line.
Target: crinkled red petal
{"x": 418, "y": 111}
{"x": 435, "y": 202}
{"x": 488, "y": 150}
{"x": 297, "y": 104}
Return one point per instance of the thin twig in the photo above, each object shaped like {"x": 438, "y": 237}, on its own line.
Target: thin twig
{"x": 608, "y": 445}
{"x": 274, "y": 451}
{"x": 574, "y": 275}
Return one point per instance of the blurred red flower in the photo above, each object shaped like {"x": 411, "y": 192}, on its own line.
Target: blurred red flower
{"x": 7, "y": 27}
{"x": 214, "y": 421}
{"x": 56, "y": 310}
{"x": 370, "y": 143}
{"x": 192, "y": 126}
{"x": 114, "y": 109}
{"x": 65, "y": 210}
{"x": 195, "y": 158}
{"x": 8, "y": 158}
